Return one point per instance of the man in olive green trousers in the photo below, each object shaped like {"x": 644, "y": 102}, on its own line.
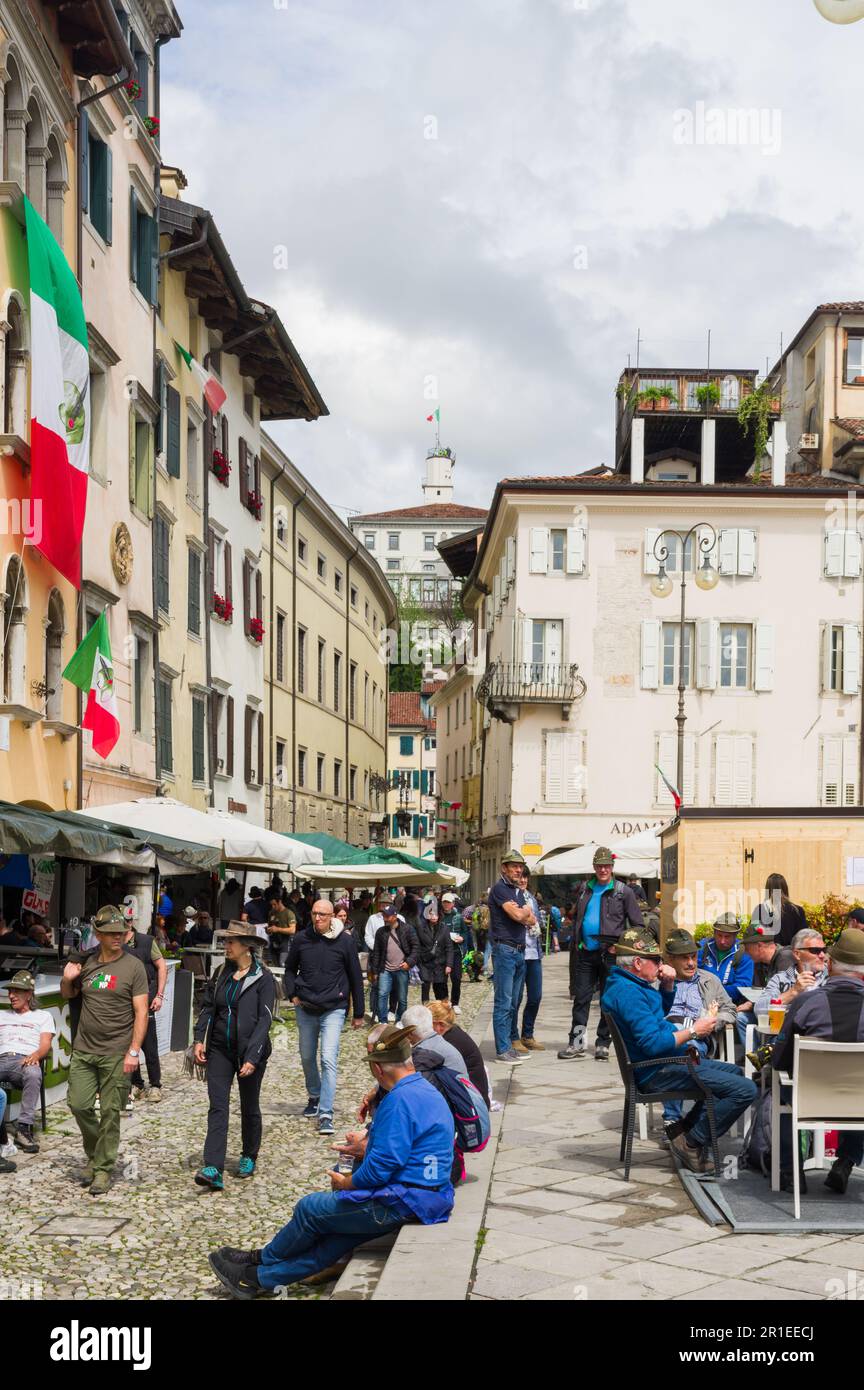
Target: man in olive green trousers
{"x": 112, "y": 986}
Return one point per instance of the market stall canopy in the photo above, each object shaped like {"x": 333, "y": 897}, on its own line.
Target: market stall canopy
{"x": 68, "y": 835}
{"x": 238, "y": 842}
{"x": 638, "y": 855}
{"x": 345, "y": 865}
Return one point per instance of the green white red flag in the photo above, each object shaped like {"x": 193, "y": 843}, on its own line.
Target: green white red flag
{"x": 59, "y": 399}
{"x": 92, "y": 670}
{"x": 436, "y": 416}
{"x": 214, "y": 392}
{"x": 673, "y": 791}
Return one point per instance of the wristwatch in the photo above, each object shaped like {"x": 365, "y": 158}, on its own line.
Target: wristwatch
{"x": 133, "y": 1052}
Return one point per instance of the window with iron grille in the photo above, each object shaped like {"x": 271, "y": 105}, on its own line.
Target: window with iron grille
{"x": 280, "y": 646}
{"x": 301, "y": 767}
{"x": 322, "y": 675}
{"x": 337, "y": 681}
{"x": 198, "y": 727}
{"x": 319, "y": 772}
{"x": 352, "y": 690}
{"x": 301, "y": 659}
{"x": 337, "y": 777}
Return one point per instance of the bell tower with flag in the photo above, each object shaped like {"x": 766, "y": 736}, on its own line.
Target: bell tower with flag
{"x": 438, "y": 483}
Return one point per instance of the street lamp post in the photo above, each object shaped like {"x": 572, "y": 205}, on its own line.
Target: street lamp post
{"x": 661, "y": 587}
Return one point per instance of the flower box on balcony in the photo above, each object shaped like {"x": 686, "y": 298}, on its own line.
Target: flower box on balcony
{"x": 220, "y": 467}
{"x": 151, "y": 125}
{"x": 223, "y": 608}
{"x": 133, "y": 89}
{"x": 255, "y": 503}
{"x": 256, "y": 630}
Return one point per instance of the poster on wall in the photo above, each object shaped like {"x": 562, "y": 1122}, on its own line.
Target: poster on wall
{"x": 38, "y": 898}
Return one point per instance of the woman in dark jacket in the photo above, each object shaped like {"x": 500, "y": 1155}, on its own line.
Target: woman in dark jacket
{"x": 792, "y": 917}
{"x": 434, "y": 955}
{"x": 393, "y": 953}
{"x": 232, "y": 1037}
{"x": 444, "y": 1023}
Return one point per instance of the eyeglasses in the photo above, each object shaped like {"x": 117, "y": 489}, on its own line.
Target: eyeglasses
{"x": 322, "y": 914}
{"x": 815, "y": 950}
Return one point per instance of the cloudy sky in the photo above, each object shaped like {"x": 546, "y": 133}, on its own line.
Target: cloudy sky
{"x": 480, "y": 202}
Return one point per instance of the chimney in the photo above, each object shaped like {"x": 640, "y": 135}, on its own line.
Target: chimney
{"x": 637, "y": 451}
{"x": 779, "y": 449}
{"x": 172, "y": 181}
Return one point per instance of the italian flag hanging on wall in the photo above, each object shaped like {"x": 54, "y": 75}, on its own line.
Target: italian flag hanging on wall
{"x": 59, "y": 401}
{"x": 92, "y": 670}
{"x": 214, "y": 393}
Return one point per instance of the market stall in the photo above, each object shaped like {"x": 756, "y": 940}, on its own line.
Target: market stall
{"x": 347, "y": 866}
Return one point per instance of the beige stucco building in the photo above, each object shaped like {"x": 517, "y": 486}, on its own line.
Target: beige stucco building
{"x": 820, "y": 381}
{"x": 413, "y": 796}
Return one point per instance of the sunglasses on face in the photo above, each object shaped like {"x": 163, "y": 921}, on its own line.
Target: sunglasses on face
{"x": 814, "y": 950}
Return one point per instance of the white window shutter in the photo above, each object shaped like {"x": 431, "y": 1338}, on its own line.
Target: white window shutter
{"x": 574, "y": 768}
{"x": 650, "y": 653}
{"x": 832, "y": 771}
{"x": 834, "y": 553}
{"x": 490, "y": 612}
{"x": 527, "y": 639}
{"x": 554, "y": 765}
{"x": 510, "y": 558}
{"x": 851, "y": 555}
{"x": 763, "y": 666}
{"x": 667, "y": 759}
{"x": 707, "y": 638}
{"x": 554, "y": 633}
{"x": 728, "y": 552}
{"x": 742, "y": 788}
{"x": 652, "y": 564}
{"x": 850, "y": 770}
{"x": 496, "y": 596}
{"x": 575, "y": 549}
{"x": 539, "y": 562}
{"x": 502, "y": 576}
{"x": 826, "y": 656}
{"x": 851, "y": 658}
{"x": 689, "y": 791}
{"x": 724, "y": 759}
{"x": 747, "y": 553}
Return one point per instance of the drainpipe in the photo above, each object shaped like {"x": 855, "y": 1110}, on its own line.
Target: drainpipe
{"x": 294, "y": 509}
{"x": 200, "y": 240}
{"x": 252, "y": 332}
{"x": 347, "y": 658}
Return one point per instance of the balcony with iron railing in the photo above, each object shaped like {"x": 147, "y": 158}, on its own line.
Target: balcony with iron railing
{"x": 507, "y": 685}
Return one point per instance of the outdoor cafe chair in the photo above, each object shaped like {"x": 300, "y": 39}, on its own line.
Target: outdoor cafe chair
{"x": 827, "y": 1084}
{"x": 633, "y": 1096}
{"x": 9, "y": 1088}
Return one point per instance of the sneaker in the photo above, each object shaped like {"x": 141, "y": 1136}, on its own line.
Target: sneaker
{"x": 25, "y": 1140}
{"x": 154, "y": 1094}
{"x": 518, "y": 1046}
{"x": 572, "y": 1050}
{"x": 210, "y": 1177}
{"x": 7, "y": 1167}
{"x": 391, "y": 1017}
{"x": 456, "y": 1009}
{"x": 325, "y": 1124}
{"x": 239, "y": 1279}
{"x": 130, "y": 1106}
{"x": 532, "y": 1045}
{"x": 246, "y": 1167}
{"x": 100, "y": 1184}
{"x": 601, "y": 1052}
{"x": 690, "y": 1157}
{"x": 137, "y": 1093}
{"x": 311, "y": 1108}
{"x": 838, "y": 1178}
{"x": 509, "y": 1056}
{"x": 240, "y": 1257}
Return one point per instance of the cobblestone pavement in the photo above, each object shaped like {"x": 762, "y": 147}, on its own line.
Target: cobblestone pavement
{"x": 150, "y": 1236}
{"x": 562, "y": 1224}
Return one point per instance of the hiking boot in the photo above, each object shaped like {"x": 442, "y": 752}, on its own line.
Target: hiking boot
{"x": 311, "y": 1108}
{"x": 532, "y": 1045}
{"x": 246, "y": 1167}
{"x": 509, "y": 1056}
{"x": 154, "y": 1094}
{"x": 100, "y": 1184}
{"x": 88, "y": 1173}
{"x": 518, "y": 1046}
{"x": 7, "y": 1167}
{"x": 25, "y": 1140}
{"x": 689, "y": 1156}
{"x": 240, "y": 1280}
{"x": 601, "y": 1052}
{"x": 572, "y": 1050}
{"x": 137, "y": 1093}
{"x": 706, "y": 1161}
{"x": 325, "y": 1124}
{"x": 210, "y": 1177}
{"x": 787, "y": 1184}
{"x": 240, "y": 1257}
{"x": 838, "y": 1178}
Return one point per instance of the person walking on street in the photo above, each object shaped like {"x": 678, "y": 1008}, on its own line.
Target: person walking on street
{"x": 460, "y": 934}
{"x": 393, "y": 954}
{"x": 509, "y": 917}
{"x": 229, "y": 904}
{"x": 232, "y": 1038}
{"x": 144, "y": 948}
{"x": 281, "y": 926}
{"x": 26, "y": 1036}
{"x": 322, "y": 975}
{"x": 434, "y": 953}
{"x": 112, "y": 987}
{"x": 532, "y": 985}
{"x": 603, "y": 910}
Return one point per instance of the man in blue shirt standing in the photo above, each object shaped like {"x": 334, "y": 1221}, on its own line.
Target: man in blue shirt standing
{"x": 509, "y": 915}
{"x": 403, "y": 1175}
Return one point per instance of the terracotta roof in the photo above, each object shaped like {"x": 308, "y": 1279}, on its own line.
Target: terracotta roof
{"x": 431, "y": 687}
{"x": 851, "y": 426}
{"x": 404, "y": 710}
{"x": 619, "y": 480}
{"x": 839, "y": 306}
{"x": 443, "y": 511}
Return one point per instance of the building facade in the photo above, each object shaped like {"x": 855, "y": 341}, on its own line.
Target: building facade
{"x": 820, "y": 382}
{"x": 327, "y": 611}
{"x": 414, "y": 795}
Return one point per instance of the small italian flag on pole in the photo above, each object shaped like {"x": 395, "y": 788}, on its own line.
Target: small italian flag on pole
{"x": 436, "y": 416}
{"x": 214, "y": 393}
{"x": 59, "y": 400}
{"x": 673, "y": 791}
{"x": 92, "y": 670}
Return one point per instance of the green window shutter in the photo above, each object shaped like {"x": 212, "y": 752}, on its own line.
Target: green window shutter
{"x": 173, "y": 449}
{"x": 160, "y": 401}
{"x": 84, "y": 160}
{"x": 133, "y": 235}
{"x": 415, "y": 827}
{"x": 395, "y": 827}
{"x": 109, "y": 195}
{"x": 424, "y": 782}
{"x": 153, "y": 238}
{"x": 406, "y": 745}
{"x": 197, "y": 739}
{"x": 149, "y": 480}
{"x": 162, "y": 562}
{"x": 132, "y": 490}
{"x": 415, "y": 780}
{"x": 194, "y": 605}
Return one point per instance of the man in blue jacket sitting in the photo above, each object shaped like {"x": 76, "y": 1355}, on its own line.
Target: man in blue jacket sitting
{"x": 724, "y": 956}
{"x": 639, "y": 994}
{"x": 403, "y": 1175}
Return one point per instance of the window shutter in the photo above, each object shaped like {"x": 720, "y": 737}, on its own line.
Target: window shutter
{"x": 84, "y": 160}
{"x": 729, "y": 552}
{"x": 132, "y": 423}
{"x": 724, "y": 759}
{"x": 211, "y": 569}
{"x": 149, "y": 506}
{"x": 667, "y": 759}
{"x": 652, "y": 564}
{"x": 742, "y": 789}
{"x": 194, "y": 591}
{"x": 851, "y": 658}
{"x": 208, "y": 436}
{"x": 424, "y": 782}
{"x": 229, "y": 740}
{"x": 763, "y": 666}
{"x": 832, "y": 771}
{"x": 109, "y": 195}
{"x": 229, "y": 578}
{"x": 153, "y": 267}
{"x": 650, "y": 653}
{"x": 133, "y": 235}
{"x": 226, "y": 436}
{"x": 173, "y": 460}
{"x": 256, "y": 475}
{"x": 159, "y": 387}
{"x": 555, "y": 765}
{"x": 260, "y": 749}
{"x": 511, "y": 559}
{"x": 689, "y": 791}
{"x": 575, "y": 550}
{"x": 851, "y": 555}
{"x": 415, "y": 779}
{"x": 826, "y": 656}
{"x": 834, "y": 553}
{"x": 212, "y": 730}
{"x": 496, "y": 596}
{"x": 707, "y": 637}
{"x": 850, "y": 770}
{"x": 747, "y": 553}
{"x": 249, "y": 716}
{"x": 259, "y": 596}
{"x": 247, "y": 597}
{"x": 539, "y": 561}
{"x": 244, "y": 476}
{"x": 574, "y": 768}
{"x": 554, "y": 634}
{"x": 527, "y": 639}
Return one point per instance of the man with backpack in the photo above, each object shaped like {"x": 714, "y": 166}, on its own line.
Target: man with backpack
{"x": 604, "y": 908}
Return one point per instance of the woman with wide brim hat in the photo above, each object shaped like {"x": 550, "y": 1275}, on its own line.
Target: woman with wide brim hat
{"x": 232, "y": 1038}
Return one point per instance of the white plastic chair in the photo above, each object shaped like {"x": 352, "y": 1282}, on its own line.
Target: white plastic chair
{"x": 827, "y": 1093}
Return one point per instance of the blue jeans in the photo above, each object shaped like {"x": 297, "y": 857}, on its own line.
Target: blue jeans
{"x": 323, "y": 1228}
{"x": 508, "y": 966}
{"x": 673, "y": 1109}
{"x": 532, "y": 986}
{"x": 487, "y": 956}
{"x": 387, "y": 980}
{"x": 326, "y": 1029}
{"x": 731, "y": 1089}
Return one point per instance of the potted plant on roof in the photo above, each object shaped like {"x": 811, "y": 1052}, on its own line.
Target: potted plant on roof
{"x": 707, "y": 395}
{"x": 754, "y": 412}
{"x": 667, "y": 399}
{"x": 657, "y": 398}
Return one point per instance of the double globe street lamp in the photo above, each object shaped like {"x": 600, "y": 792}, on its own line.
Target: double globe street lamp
{"x": 661, "y": 587}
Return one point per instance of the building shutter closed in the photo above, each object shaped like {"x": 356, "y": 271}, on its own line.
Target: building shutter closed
{"x": 229, "y": 578}
{"x": 539, "y": 558}
{"x": 834, "y": 553}
{"x": 247, "y": 578}
{"x": 243, "y": 471}
{"x": 575, "y": 550}
{"x": 229, "y": 736}
{"x": 650, "y": 653}
{"x": 259, "y": 597}
{"x": 763, "y": 666}
{"x": 260, "y": 749}
{"x": 707, "y": 638}
{"x": 249, "y": 717}
{"x": 652, "y": 564}
{"x": 851, "y": 658}
{"x": 746, "y": 553}
{"x": 173, "y": 442}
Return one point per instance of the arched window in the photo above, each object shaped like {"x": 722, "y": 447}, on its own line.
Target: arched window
{"x": 54, "y": 628}
{"x": 15, "y": 634}
{"x": 56, "y": 185}
{"x": 14, "y": 125}
{"x": 729, "y": 393}
{"x": 15, "y": 369}
{"x": 36, "y": 144}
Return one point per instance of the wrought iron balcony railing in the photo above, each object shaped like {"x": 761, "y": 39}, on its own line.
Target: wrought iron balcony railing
{"x": 527, "y": 681}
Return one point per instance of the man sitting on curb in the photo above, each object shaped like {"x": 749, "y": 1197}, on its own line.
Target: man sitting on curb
{"x": 26, "y": 1035}
{"x": 834, "y": 1013}
{"x": 639, "y": 1009}
{"x": 403, "y": 1176}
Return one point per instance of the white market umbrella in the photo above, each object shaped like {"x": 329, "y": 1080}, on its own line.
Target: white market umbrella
{"x": 239, "y": 842}
{"x": 579, "y": 859}
{"x": 390, "y": 875}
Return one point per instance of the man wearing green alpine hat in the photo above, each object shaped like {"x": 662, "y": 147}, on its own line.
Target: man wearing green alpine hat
{"x": 509, "y": 915}
{"x": 26, "y": 1035}
{"x": 112, "y": 986}
{"x": 604, "y": 908}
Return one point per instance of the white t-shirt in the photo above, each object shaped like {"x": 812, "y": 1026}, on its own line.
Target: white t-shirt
{"x": 20, "y": 1033}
